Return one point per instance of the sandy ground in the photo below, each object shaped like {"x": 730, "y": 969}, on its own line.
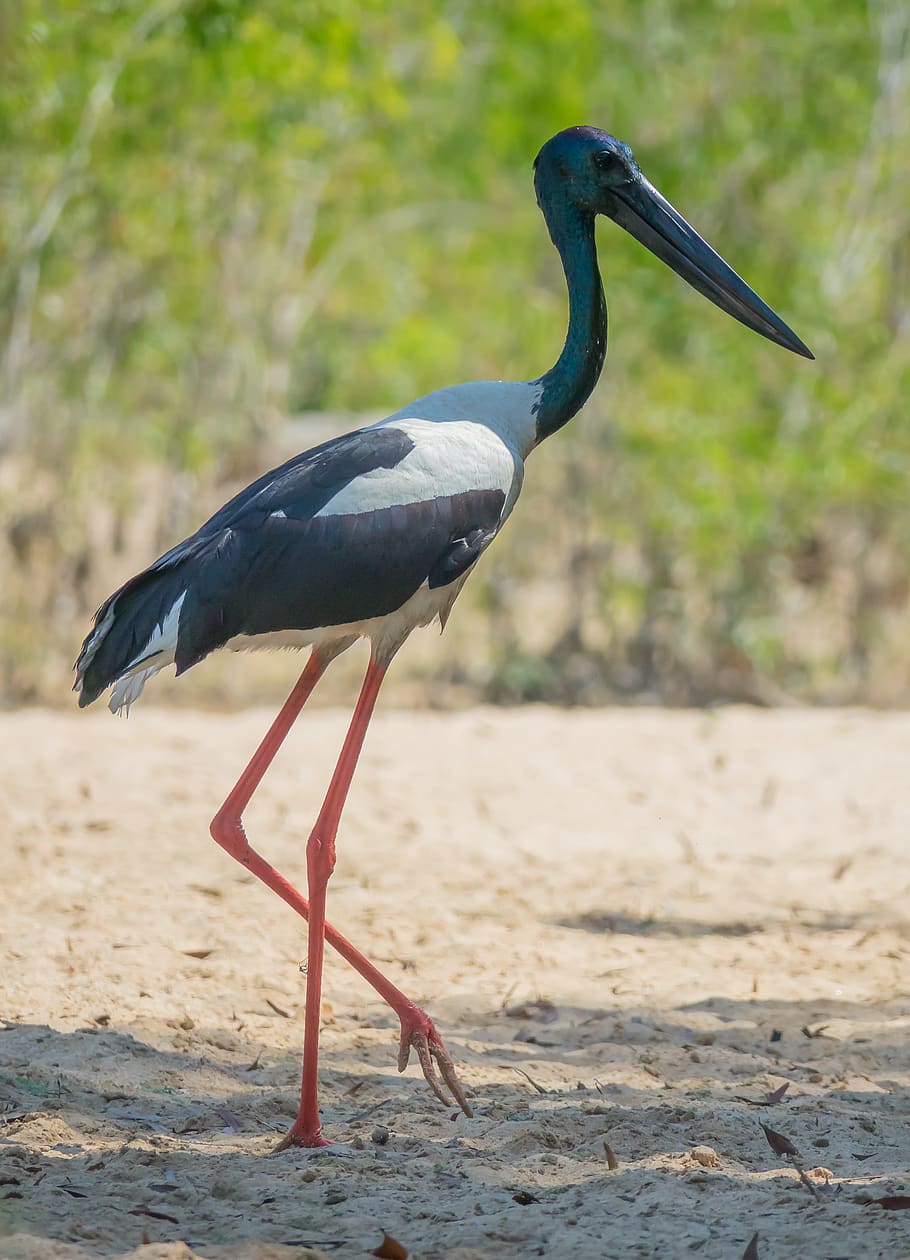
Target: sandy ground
{"x": 632, "y": 927}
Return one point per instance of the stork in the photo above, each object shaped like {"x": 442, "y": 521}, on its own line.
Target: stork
{"x": 374, "y": 533}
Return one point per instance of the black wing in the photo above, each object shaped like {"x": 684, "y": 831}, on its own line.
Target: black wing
{"x": 287, "y": 573}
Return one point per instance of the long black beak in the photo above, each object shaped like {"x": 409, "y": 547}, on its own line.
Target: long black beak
{"x": 650, "y": 218}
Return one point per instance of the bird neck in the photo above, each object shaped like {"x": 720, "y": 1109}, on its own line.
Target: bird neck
{"x": 568, "y": 384}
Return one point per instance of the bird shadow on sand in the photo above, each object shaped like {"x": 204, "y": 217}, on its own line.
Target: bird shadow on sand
{"x": 670, "y": 925}
{"x": 612, "y": 921}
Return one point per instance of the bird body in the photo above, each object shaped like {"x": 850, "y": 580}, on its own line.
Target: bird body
{"x": 375, "y": 532}
{"x": 370, "y": 534}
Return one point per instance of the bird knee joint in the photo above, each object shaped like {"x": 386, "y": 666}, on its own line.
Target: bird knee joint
{"x": 227, "y": 830}
{"x": 320, "y": 859}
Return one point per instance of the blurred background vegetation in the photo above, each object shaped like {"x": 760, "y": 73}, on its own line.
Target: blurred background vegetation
{"x": 230, "y": 228}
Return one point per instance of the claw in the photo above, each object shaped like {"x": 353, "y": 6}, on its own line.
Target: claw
{"x": 420, "y": 1033}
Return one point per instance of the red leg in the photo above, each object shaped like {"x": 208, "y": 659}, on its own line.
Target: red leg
{"x": 320, "y": 853}
{"x": 417, "y": 1029}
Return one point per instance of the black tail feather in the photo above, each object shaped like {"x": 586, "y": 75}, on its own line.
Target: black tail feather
{"x": 123, "y": 625}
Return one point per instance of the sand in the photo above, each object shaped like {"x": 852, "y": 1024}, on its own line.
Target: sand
{"x": 633, "y": 929}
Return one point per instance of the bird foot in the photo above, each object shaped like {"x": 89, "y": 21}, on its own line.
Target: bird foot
{"x": 300, "y": 1135}
{"x": 418, "y": 1032}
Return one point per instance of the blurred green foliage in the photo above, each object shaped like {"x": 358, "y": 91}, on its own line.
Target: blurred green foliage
{"x": 215, "y": 214}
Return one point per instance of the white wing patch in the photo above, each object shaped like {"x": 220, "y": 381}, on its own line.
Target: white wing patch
{"x": 447, "y": 459}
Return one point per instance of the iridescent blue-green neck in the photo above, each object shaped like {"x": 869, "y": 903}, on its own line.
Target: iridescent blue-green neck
{"x": 568, "y": 384}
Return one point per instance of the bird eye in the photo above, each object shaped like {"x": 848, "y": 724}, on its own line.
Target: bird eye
{"x": 609, "y": 162}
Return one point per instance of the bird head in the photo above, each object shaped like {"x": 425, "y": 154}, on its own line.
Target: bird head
{"x": 594, "y": 173}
